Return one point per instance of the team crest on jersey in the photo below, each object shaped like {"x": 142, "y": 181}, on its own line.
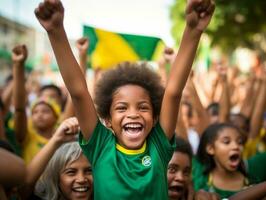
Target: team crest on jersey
{"x": 146, "y": 161}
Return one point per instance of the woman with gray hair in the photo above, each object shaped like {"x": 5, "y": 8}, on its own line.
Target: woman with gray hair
{"x": 67, "y": 176}
{"x": 62, "y": 169}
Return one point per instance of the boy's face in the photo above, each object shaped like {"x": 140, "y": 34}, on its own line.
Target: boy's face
{"x": 43, "y": 117}
{"x": 227, "y": 149}
{"x": 178, "y": 175}
{"x": 76, "y": 180}
{"x": 131, "y": 116}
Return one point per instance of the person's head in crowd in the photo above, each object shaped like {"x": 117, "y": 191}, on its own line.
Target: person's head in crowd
{"x": 213, "y": 111}
{"x": 189, "y": 115}
{"x": 221, "y": 145}
{"x": 179, "y": 170}
{"x": 45, "y": 113}
{"x": 240, "y": 121}
{"x": 129, "y": 81}
{"x": 68, "y": 175}
{"x": 52, "y": 91}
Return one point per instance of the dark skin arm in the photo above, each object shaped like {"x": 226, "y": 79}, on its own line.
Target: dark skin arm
{"x": 82, "y": 45}
{"x": 65, "y": 133}
{"x": 50, "y": 14}
{"x": 12, "y": 169}
{"x": 257, "y": 115}
{"x": 249, "y": 101}
{"x": 198, "y": 16}
{"x": 225, "y": 96}
{"x": 19, "y": 56}
{"x": 256, "y": 192}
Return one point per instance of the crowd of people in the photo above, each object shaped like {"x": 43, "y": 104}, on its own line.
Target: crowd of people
{"x": 140, "y": 133}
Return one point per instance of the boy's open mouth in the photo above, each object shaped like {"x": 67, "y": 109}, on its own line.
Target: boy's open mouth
{"x": 133, "y": 128}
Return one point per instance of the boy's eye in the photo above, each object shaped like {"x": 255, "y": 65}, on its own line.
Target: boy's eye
{"x": 144, "y": 108}
{"x": 120, "y": 108}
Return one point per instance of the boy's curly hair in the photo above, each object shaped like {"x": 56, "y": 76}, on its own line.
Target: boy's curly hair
{"x": 127, "y": 73}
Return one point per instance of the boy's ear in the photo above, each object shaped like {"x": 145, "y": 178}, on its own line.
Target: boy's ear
{"x": 210, "y": 149}
{"x": 108, "y": 123}
{"x": 155, "y": 120}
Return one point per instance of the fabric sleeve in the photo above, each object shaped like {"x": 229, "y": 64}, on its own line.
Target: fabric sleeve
{"x": 93, "y": 147}
{"x": 164, "y": 146}
{"x": 200, "y": 181}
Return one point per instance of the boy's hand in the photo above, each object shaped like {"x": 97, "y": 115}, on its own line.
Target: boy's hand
{"x": 19, "y": 54}
{"x": 199, "y": 13}
{"x": 50, "y": 14}
{"x": 67, "y": 131}
{"x": 82, "y": 44}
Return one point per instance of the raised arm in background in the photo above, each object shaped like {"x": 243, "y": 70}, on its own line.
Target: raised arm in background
{"x": 224, "y": 101}
{"x": 19, "y": 56}
{"x": 259, "y": 108}
{"x": 82, "y": 45}
{"x": 66, "y": 132}
{"x": 7, "y": 96}
{"x": 202, "y": 115}
{"x": 250, "y": 98}
{"x": 165, "y": 63}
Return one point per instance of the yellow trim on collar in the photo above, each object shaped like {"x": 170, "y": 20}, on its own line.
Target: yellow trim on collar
{"x": 131, "y": 151}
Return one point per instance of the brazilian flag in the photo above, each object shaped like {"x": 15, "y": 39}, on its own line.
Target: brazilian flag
{"x": 107, "y": 48}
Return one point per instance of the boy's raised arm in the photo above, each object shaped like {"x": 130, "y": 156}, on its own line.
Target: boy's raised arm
{"x": 198, "y": 16}
{"x": 50, "y": 14}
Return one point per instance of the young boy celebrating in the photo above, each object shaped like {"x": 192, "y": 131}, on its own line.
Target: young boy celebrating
{"x": 129, "y": 159}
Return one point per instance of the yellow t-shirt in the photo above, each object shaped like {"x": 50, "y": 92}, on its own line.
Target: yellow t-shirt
{"x": 255, "y": 145}
{"x": 32, "y": 144}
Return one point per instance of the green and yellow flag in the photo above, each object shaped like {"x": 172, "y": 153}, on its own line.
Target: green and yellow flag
{"x": 107, "y": 48}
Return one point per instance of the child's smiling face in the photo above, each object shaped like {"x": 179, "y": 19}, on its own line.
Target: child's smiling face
{"x": 131, "y": 116}
{"x": 227, "y": 149}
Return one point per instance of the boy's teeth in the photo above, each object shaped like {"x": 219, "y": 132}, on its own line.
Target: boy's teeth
{"x": 133, "y": 126}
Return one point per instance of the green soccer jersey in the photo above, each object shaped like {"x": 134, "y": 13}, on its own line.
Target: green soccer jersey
{"x": 122, "y": 174}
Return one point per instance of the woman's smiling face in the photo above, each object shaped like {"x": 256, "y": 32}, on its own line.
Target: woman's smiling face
{"x": 76, "y": 182}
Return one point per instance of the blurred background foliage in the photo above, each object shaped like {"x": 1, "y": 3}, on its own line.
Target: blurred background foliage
{"x": 236, "y": 23}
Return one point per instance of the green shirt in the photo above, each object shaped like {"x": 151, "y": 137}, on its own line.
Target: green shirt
{"x": 123, "y": 174}
{"x": 255, "y": 168}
